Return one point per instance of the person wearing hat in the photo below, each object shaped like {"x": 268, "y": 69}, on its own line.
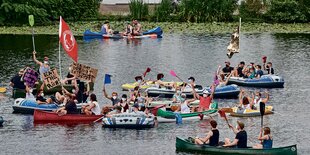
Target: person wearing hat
{"x": 106, "y": 28}
{"x": 227, "y": 69}
{"x": 17, "y": 81}
{"x": 44, "y": 66}
{"x": 204, "y": 100}
{"x": 241, "y": 137}
{"x": 212, "y": 137}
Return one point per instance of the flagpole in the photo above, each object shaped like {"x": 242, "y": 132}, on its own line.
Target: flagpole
{"x": 239, "y": 33}
{"x": 59, "y": 59}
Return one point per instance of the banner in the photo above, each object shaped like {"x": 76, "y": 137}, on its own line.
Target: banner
{"x": 233, "y": 46}
{"x": 84, "y": 72}
{"x": 51, "y": 79}
{"x": 67, "y": 40}
{"x": 30, "y": 77}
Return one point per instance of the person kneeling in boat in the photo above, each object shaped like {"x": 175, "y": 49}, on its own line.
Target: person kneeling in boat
{"x": 212, "y": 138}
{"x": 92, "y": 108}
{"x": 70, "y": 106}
{"x": 266, "y": 139}
{"x": 241, "y": 137}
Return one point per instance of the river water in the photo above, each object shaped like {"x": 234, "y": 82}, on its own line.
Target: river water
{"x": 187, "y": 55}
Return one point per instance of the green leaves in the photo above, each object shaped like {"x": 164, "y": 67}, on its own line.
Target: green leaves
{"x": 138, "y": 9}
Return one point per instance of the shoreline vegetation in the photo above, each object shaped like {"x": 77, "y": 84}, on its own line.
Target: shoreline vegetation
{"x": 78, "y": 28}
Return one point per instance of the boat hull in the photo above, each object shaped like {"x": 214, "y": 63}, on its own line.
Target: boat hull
{"x": 266, "y": 81}
{"x": 128, "y": 121}
{"x": 185, "y": 145}
{"x": 250, "y": 113}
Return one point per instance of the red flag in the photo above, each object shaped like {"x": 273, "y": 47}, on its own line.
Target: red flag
{"x": 67, "y": 40}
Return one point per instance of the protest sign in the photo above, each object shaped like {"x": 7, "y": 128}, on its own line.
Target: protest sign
{"x": 84, "y": 72}
{"x": 30, "y": 77}
{"x": 51, "y": 79}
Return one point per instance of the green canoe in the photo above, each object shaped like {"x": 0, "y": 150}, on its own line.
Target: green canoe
{"x": 187, "y": 146}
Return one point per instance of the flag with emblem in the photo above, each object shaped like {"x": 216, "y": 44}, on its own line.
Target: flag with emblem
{"x": 67, "y": 40}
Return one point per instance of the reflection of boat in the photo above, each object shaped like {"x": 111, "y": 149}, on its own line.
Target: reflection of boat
{"x": 235, "y": 111}
{"x": 266, "y": 81}
{"x": 129, "y": 120}
{"x": 188, "y": 146}
{"x": 153, "y": 33}
{"x": 24, "y": 106}
{"x": 52, "y": 117}
{"x": 229, "y": 91}
{"x": 164, "y": 116}
{"x": 148, "y": 84}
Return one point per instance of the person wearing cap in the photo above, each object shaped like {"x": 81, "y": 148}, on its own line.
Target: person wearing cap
{"x": 44, "y": 67}
{"x": 266, "y": 140}
{"x": 204, "y": 100}
{"x": 268, "y": 68}
{"x": 227, "y": 69}
{"x": 106, "y": 28}
{"x": 114, "y": 97}
{"x": 137, "y": 28}
{"x": 128, "y": 29}
{"x": 241, "y": 137}
{"x": 212, "y": 137}
{"x": 17, "y": 81}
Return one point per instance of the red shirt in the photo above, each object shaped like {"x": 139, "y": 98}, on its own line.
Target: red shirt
{"x": 205, "y": 102}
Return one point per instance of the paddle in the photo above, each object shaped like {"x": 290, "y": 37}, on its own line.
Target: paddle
{"x": 262, "y": 111}
{"x": 98, "y": 119}
{"x": 146, "y": 71}
{"x": 175, "y": 75}
{"x": 223, "y": 114}
{"x": 31, "y": 22}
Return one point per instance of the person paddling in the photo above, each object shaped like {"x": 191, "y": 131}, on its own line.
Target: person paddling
{"x": 266, "y": 139}
{"x": 44, "y": 66}
{"x": 212, "y": 137}
{"x": 241, "y": 137}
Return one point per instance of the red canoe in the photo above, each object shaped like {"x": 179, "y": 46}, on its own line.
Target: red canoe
{"x": 52, "y": 117}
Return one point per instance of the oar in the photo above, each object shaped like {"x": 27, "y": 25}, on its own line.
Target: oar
{"x": 146, "y": 71}
{"x": 31, "y": 22}
{"x": 175, "y": 75}
{"x": 262, "y": 111}
{"x": 223, "y": 114}
{"x": 98, "y": 119}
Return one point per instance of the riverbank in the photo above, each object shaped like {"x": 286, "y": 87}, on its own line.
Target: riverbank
{"x": 79, "y": 27}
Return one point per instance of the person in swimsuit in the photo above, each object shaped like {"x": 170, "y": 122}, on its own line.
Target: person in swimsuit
{"x": 212, "y": 137}
{"x": 266, "y": 140}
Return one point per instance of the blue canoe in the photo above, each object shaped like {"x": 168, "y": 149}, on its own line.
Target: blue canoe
{"x": 229, "y": 91}
{"x": 266, "y": 81}
{"x": 157, "y": 32}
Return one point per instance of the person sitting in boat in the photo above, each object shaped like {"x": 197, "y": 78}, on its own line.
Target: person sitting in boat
{"x": 239, "y": 71}
{"x": 205, "y": 100}
{"x": 17, "y": 82}
{"x": 257, "y": 98}
{"x": 29, "y": 95}
{"x": 268, "y": 67}
{"x": 124, "y": 104}
{"x": 184, "y": 104}
{"x": 91, "y": 108}
{"x": 70, "y": 106}
{"x": 177, "y": 96}
{"x": 191, "y": 81}
{"x": 212, "y": 137}
{"x": 136, "y": 109}
{"x": 137, "y": 28}
{"x": 241, "y": 137}
{"x": 259, "y": 72}
{"x": 116, "y": 110}
{"x": 266, "y": 139}
{"x": 41, "y": 99}
{"x": 251, "y": 73}
{"x": 244, "y": 101}
{"x": 44, "y": 67}
{"x": 128, "y": 29}
{"x": 223, "y": 82}
{"x": 227, "y": 69}
{"x": 106, "y": 28}
{"x": 134, "y": 94}
{"x": 114, "y": 97}
{"x": 159, "y": 82}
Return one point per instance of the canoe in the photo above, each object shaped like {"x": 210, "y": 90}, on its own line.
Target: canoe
{"x": 1, "y": 121}
{"x": 164, "y": 116}
{"x": 129, "y": 86}
{"x": 168, "y": 104}
{"x": 52, "y": 117}
{"x": 266, "y": 81}
{"x": 129, "y": 121}
{"x": 24, "y": 106}
{"x": 229, "y": 91}
{"x": 185, "y": 145}
{"x": 155, "y": 32}
{"x": 250, "y": 113}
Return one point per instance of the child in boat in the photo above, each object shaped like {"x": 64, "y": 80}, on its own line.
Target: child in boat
{"x": 212, "y": 138}
{"x": 266, "y": 139}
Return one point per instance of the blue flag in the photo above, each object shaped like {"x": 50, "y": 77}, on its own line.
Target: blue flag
{"x": 107, "y": 79}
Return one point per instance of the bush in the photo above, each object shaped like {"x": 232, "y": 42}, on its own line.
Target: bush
{"x": 138, "y": 9}
{"x": 251, "y": 9}
{"x": 162, "y": 12}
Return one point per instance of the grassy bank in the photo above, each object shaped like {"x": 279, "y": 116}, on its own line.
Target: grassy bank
{"x": 79, "y": 27}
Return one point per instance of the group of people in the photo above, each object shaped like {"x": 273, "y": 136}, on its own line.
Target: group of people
{"x": 133, "y": 28}
{"x": 240, "y": 141}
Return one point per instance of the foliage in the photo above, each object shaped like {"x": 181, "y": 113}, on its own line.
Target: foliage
{"x": 15, "y": 12}
{"x": 138, "y": 9}
{"x": 251, "y": 8}
{"x": 207, "y": 10}
{"x": 162, "y": 12}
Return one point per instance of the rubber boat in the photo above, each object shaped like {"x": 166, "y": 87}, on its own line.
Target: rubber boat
{"x": 266, "y": 81}
{"x": 229, "y": 91}
{"x": 164, "y": 116}
{"x": 152, "y": 33}
{"x": 129, "y": 121}
{"x": 235, "y": 111}
{"x": 51, "y": 117}
{"x": 168, "y": 104}
{"x": 24, "y": 106}
{"x": 129, "y": 86}
{"x": 1, "y": 121}
{"x": 187, "y": 145}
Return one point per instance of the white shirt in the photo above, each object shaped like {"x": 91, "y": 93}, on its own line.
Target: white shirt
{"x": 96, "y": 109}
{"x": 185, "y": 108}
{"x": 29, "y": 96}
